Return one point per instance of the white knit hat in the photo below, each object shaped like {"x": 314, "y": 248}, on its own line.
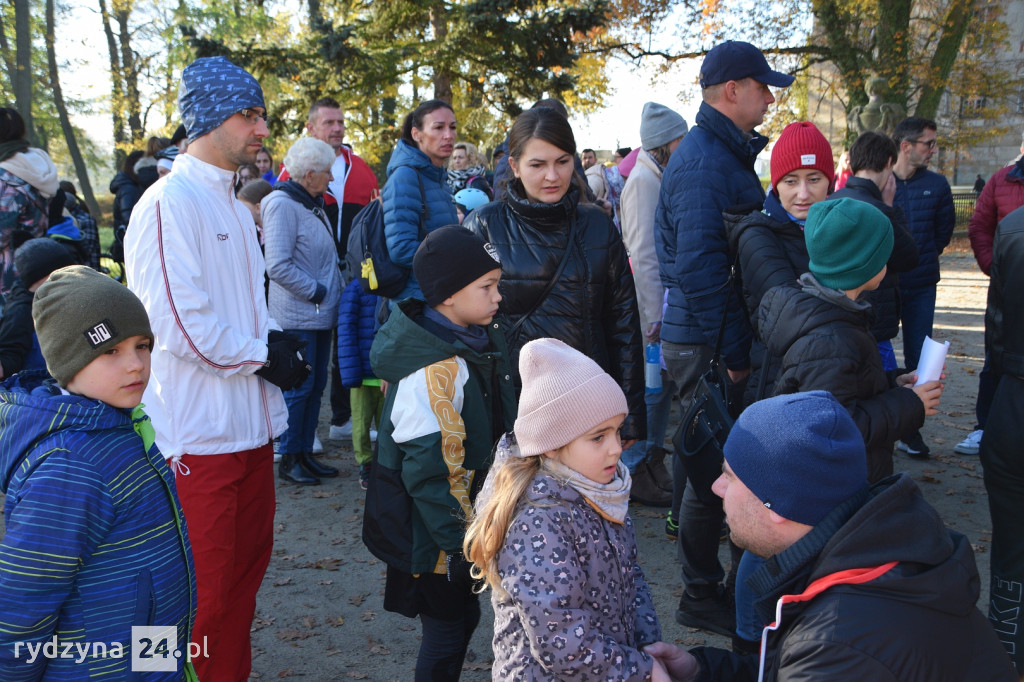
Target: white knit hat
{"x": 565, "y": 394}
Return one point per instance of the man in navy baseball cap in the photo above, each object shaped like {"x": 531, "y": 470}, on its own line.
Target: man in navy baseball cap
{"x": 735, "y": 60}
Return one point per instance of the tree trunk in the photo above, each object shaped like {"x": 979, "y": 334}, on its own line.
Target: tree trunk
{"x": 62, "y": 112}
{"x": 442, "y": 74}
{"x": 116, "y": 88}
{"x": 130, "y": 74}
{"x": 5, "y": 50}
{"x": 23, "y": 67}
{"x": 954, "y": 28}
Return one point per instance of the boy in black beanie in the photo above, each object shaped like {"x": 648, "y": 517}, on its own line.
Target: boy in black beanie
{"x": 449, "y": 398}
{"x": 34, "y": 260}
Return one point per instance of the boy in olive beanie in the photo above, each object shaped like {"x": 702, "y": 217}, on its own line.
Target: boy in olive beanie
{"x": 820, "y": 329}
{"x": 91, "y": 504}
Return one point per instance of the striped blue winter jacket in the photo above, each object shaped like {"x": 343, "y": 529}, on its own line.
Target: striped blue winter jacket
{"x": 95, "y": 537}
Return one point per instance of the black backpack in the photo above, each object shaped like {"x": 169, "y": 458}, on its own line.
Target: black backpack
{"x": 367, "y": 257}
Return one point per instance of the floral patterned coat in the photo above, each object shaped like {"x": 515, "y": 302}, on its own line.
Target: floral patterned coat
{"x": 577, "y": 605}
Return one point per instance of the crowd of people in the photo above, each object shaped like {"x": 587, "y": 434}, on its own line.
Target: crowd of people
{"x": 502, "y": 406}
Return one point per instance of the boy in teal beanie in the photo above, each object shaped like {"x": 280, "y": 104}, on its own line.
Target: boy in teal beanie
{"x": 820, "y": 328}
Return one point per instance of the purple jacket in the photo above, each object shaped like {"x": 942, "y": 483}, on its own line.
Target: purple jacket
{"x": 576, "y": 602}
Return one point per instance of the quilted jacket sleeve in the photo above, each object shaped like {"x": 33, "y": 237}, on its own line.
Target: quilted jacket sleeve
{"x": 623, "y": 335}
{"x": 945, "y": 217}
{"x": 694, "y": 253}
{"x": 982, "y": 228}
{"x": 282, "y": 219}
{"x": 350, "y": 362}
{"x": 819, "y": 362}
{"x": 636, "y": 212}
{"x": 403, "y": 208}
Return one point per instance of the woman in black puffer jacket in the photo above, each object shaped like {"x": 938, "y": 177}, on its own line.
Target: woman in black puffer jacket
{"x": 592, "y": 305}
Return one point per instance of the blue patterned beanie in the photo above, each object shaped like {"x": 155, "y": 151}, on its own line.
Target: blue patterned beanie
{"x": 212, "y": 90}
{"x": 801, "y": 454}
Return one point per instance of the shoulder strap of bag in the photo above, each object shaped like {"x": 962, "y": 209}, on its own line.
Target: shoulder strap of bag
{"x": 425, "y": 210}
{"x": 551, "y": 283}
{"x": 716, "y": 358}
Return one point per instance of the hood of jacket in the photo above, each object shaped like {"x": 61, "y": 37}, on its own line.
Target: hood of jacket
{"x": 402, "y": 346}
{"x": 121, "y": 180}
{"x": 409, "y": 155}
{"x": 897, "y": 524}
{"x": 788, "y": 313}
{"x": 32, "y": 407}
{"x": 739, "y": 219}
{"x": 35, "y": 168}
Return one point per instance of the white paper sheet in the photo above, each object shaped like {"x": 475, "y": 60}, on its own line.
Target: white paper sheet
{"x": 933, "y": 359}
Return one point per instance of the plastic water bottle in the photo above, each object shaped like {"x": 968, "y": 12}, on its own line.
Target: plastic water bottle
{"x": 652, "y": 367}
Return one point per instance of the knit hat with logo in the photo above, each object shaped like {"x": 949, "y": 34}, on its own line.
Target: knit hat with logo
{"x": 801, "y": 145}
{"x": 79, "y": 315}
{"x": 450, "y": 258}
{"x": 565, "y": 394}
{"x": 801, "y": 454}
{"x": 848, "y": 241}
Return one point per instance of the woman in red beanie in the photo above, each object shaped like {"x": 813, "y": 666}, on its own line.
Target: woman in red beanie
{"x": 771, "y": 250}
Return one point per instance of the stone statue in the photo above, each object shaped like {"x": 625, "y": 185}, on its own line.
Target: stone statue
{"x": 877, "y": 114}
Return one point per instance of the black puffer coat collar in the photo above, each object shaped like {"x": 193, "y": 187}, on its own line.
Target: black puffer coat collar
{"x": 543, "y": 216}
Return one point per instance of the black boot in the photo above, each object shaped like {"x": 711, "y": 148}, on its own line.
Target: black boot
{"x": 290, "y": 469}
{"x": 316, "y": 468}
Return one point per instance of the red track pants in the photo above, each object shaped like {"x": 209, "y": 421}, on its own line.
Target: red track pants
{"x": 229, "y": 510}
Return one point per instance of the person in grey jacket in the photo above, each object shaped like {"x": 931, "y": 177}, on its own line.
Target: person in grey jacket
{"x": 305, "y": 286}
{"x": 552, "y": 534}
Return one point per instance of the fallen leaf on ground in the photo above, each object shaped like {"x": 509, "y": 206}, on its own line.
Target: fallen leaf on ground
{"x": 292, "y": 634}
{"x": 282, "y": 581}
{"x": 358, "y": 599}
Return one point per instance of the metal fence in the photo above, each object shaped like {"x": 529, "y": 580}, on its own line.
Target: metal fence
{"x": 963, "y": 203}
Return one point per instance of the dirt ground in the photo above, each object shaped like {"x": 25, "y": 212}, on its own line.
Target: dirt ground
{"x": 320, "y": 612}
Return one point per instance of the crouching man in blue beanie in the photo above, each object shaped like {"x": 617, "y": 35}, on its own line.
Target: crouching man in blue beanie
{"x": 860, "y": 583}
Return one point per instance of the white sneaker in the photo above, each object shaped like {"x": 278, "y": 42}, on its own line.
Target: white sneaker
{"x": 970, "y": 445}
{"x": 277, "y": 449}
{"x": 343, "y": 432}
{"x": 373, "y": 435}
{"x": 318, "y": 447}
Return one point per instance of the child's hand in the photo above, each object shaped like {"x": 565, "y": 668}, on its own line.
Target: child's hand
{"x": 678, "y": 663}
{"x": 929, "y": 393}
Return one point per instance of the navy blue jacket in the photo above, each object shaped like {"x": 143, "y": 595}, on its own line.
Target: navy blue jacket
{"x": 403, "y": 206}
{"x": 712, "y": 170}
{"x": 927, "y": 202}
{"x": 356, "y": 326}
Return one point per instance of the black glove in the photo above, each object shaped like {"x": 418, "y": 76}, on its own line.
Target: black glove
{"x": 285, "y": 366}
{"x": 458, "y": 568}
